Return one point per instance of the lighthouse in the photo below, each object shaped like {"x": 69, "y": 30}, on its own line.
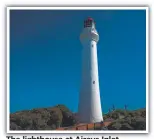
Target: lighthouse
{"x": 89, "y": 110}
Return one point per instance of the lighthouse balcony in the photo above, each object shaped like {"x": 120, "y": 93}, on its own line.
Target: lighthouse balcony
{"x": 89, "y": 35}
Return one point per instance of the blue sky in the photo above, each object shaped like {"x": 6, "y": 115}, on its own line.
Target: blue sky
{"x": 45, "y": 58}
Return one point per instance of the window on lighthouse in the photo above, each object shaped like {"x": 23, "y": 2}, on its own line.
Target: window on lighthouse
{"x": 87, "y": 23}
{"x": 93, "y": 82}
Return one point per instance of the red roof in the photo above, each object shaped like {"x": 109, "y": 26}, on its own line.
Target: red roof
{"x": 89, "y": 18}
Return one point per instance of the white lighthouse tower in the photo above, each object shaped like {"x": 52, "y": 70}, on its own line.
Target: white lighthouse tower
{"x": 89, "y": 100}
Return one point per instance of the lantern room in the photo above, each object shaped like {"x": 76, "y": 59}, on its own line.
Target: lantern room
{"x": 89, "y": 22}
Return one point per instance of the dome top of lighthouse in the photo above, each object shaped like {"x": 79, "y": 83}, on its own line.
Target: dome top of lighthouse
{"x": 89, "y": 22}
{"x": 89, "y": 18}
